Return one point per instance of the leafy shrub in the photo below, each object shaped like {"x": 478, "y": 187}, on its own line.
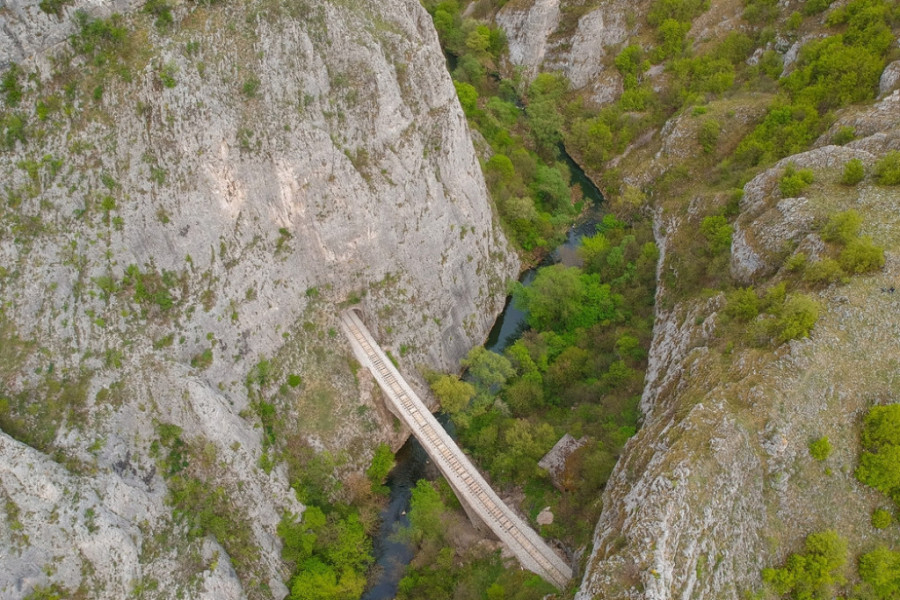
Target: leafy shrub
{"x": 887, "y": 169}
{"x": 854, "y": 172}
{"x": 880, "y": 568}
{"x": 468, "y": 97}
{"x": 796, "y": 263}
{"x": 708, "y": 135}
{"x": 820, "y": 449}
{"x": 844, "y": 135}
{"x": 161, "y": 10}
{"x": 99, "y": 38}
{"x": 879, "y": 462}
{"x": 793, "y": 182}
{"x": 382, "y": 463}
{"x": 684, "y": 11}
{"x": 813, "y": 7}
{"x": 742, "y": 304}
{"x": 812, "y": 574}
{"x": 881, "y": 518}
{"x": 797, "y": 317}
{"x": 672, "y": 38}
{"x": 718, "y": 232}
{"x": 10, "y": 86}
{"x": 823, "y": 272}
{"x": 831, "y": 74}
{"x": 53, "y": 7}
{"x": 842, "y": 227}
{"x": 760, "y": 11}
{"x": 862, "y": 256}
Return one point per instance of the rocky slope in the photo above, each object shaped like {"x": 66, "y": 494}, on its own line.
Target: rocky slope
{"x": 719, "y": 482}
{"x": 192, "y": 204}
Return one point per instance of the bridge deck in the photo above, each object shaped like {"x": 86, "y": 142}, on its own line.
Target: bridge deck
{"x": 533, "y": 553}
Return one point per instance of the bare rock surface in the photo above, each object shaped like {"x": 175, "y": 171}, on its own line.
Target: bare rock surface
{"x": 260, "y": 167}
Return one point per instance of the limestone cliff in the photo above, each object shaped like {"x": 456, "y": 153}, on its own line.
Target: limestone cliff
{"x": 719, "y": 482}
{"x": 186, "y": 208}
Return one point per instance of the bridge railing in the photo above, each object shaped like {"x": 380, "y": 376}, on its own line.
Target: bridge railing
{"x": 467, "y": 482}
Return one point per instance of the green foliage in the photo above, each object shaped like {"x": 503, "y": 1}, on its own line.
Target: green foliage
{"x": 51, "y": 592}
{"x": 887, "y": 169}
{"x": 796, "y": 318}
{"x": 812, "y": 574}
{"x": 150, "y": 288}
{"x": 468, "y": 97}
{"x": 814, "y": 7}
{"x": 453, "y": 393}
{"x": 683, "y": 11}
{"x": 162, "y": 12}
{"x": 708, "y": 135}
{"x": 250, "y": 87}
{"x": 824, "y": 272}
{"x": 861, "y": 255}
{"x": 793, "y": 182}
{"x": 879, "y": 462}
{"x": 382, "y": 463}
{"x": 881, "y": 518}
{"x": 53, "y": 7}
{"x": 842, "y": 227}
{"x": 672, "y": 38}
{"x": 854, "y": 172}
{"x": 562, "y": 298}
{"x": 880, "y": 568}
{"x": 718, "y": 232}
{"x": 99, "y": 39}
{"x": 630, "y": 61}
{"x": 486, "y": 369}
{"x": 786, "y": 129}
{"x": 427, "y": 513}
{"x": 844, "y": 135}
{"x": 332, "y": 554}
{"x": 820, "y": 449}
{"x": 736, "y": 47}
{"x": 758, "y": 12}
{"x": 10, "y": 86}
{"x": 742, "y": 304}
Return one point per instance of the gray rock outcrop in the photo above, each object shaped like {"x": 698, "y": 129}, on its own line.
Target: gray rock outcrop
{"x": 260, "y": 165}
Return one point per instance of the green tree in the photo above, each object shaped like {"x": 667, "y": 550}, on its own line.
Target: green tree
{"x": 742, "y": 304}
{"x": 820, "y": 449}
{"x": 812, "y": 574}
{"x": 427, "y": 513}
{"x": 708, "y": 135}
{"x": 793, "y": 182}
{"x": 881, "y": 518}
{"x": 887, "y": 169}
{"x": 842, "y": 227}
{"x": 382, "y": 463}
{"x": 880, "y": 568}
{"x": 854, "y": 172}
{"x": 879, "y": 462}
{"x": 797, "y": 318}
{"x": 861, "y": 256}
{"x": 453, "y": 393}
{"x": 468, "y": 97}
{"x": 487, "y": 369}
{"x": 717, "y": 232}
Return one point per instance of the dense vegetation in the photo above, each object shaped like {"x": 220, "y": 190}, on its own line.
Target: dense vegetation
{"x": 437, "y": 573}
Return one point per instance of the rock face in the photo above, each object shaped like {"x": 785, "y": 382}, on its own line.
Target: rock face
{"x": 200, "y": 213}
{"x": 584, "y": 55}
{"x": 719, "y": 482}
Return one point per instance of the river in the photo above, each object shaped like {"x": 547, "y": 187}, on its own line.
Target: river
{"x": 391, "y": 554}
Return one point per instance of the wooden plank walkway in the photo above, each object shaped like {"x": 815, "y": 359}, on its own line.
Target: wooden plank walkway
{"x": 531, "y": 550}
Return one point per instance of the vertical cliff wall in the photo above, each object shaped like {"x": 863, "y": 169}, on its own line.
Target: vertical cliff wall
{"x": 186, "y": 208}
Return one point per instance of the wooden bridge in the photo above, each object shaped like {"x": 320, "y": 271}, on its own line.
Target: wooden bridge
{"x": 474, "y": 493}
